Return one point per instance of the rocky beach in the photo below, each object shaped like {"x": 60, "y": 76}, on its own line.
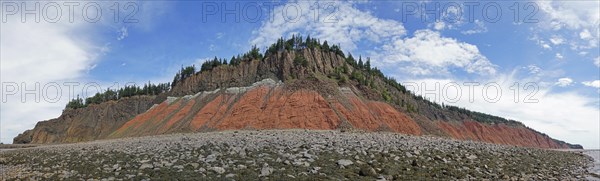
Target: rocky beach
{"x": 290, "y": 155}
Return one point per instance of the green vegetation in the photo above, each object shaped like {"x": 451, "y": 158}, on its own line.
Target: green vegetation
{"x": 297, "y": 43}
{"x": 300, "y": 60}
{"x": 209, "y": 65}
{"x": 113, "y": 95}
{"x": 76, "y": 103}
{"x": 183, "y": 74}
{"x": 481, "y": 117}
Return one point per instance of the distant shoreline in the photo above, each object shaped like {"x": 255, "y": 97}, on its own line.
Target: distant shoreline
{"x": 16, "y": 146}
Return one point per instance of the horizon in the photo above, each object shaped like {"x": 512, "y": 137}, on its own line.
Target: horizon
{"x": 541, "y": 68}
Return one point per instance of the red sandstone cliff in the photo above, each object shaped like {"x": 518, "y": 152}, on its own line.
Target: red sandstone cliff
{"x": 267, "y": 107}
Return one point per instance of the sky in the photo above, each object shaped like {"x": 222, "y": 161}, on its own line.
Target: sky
{"x": 537, "y": 62}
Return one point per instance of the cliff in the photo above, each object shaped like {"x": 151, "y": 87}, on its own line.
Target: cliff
{"x": 86, "y": 124}
{"x": 308, "y": 88}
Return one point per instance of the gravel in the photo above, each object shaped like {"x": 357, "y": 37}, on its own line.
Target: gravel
{"x": 290, "y": 154}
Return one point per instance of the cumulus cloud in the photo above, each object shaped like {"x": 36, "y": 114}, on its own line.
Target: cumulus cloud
{"x": 595, "y": 83}
{"x": 579, "y": 20}
{"x": 597, "y": 61}
{"x": 346, "y": 26}
{"x": 563, "y": 82}
{"x": 570, "y": 14}
{"x": 44, "y": 53}
{"x": 435, "y": 54}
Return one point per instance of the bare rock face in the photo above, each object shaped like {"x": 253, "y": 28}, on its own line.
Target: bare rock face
{"x": 86, "y": 124}
{"x": 279, "y": 66}
{"x": 267, "y": 107}
{"x": 500, "y": 134}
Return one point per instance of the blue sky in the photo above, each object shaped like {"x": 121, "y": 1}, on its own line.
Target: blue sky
{"x": 559, "y": 53}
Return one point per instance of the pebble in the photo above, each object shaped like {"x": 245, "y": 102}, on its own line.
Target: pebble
{"x": 344, "y": 163}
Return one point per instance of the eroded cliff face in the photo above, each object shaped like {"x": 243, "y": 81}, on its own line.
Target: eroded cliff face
{"x": 278, "y": 93}
{"x": 267, "y": 106}
{"x": 499, "y": 133}
{"x": 271, "y": 106}
{"x": 86, "y": 124}
{"x": 279, "y": 66}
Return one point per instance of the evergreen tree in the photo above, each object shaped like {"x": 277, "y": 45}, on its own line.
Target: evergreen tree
{"x": 350, "y": 60}
{"x": 308, "y": 42}
{"x": 75, "y": 103}
{"x": 368, "y": 64}
{"x": 360, "y": 62}
{"x": 255, "y": 53}
{"x": 234, "y": 61}
{"x": 325, "y": 46}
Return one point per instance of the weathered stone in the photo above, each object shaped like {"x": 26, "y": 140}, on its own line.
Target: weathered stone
{"x": 344, "y": 163}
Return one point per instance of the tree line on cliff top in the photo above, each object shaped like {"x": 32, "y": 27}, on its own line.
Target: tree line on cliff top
{"x": 296, "y": 43}
{"x": 113, "y": 95}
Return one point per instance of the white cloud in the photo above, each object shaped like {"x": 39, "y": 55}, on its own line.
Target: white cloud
{"x": 563, "y": 82}
{"x": 439, "y": 25}
{"x": 559, "y": 56}
{"x": 433, "y": 53}
{"x": 345, "y": 27}
{"x": 570, "y": 14}
{"x": 557, "y": 40}
{"x": 585, "y": 35}
{"x": 597, "y": 61}
{"x": 533, "y": 69}
{"x": 579, "y": 20}
{"x": 479, "y": 27}
{"x": 567, "y": 116}
{"x": 425, "y": 53}
{"x": 540, "y": 41}
{"x": 49, "y": 53}
{"x": 123, "y": 33}
{"x": 546, "y": 46}
{"x": 595, "y": 83}
{"x": 46, "y": 53}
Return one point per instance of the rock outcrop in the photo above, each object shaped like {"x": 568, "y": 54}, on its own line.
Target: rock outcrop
{"x": 278, "y": 66}
{"x": 299, "y": 89}
{"x": 86, "y": 124}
